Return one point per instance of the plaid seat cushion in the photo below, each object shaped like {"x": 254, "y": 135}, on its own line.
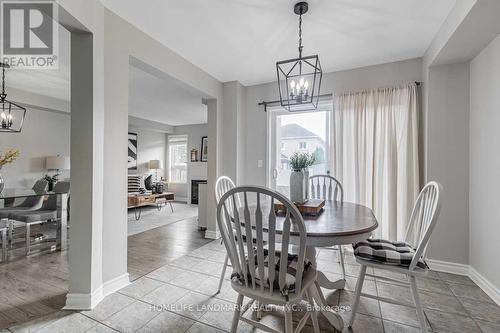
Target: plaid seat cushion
{"x": 387, "y": 252}
{"x": 291, "y": 269}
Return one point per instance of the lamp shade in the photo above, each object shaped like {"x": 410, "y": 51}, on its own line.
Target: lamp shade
{"x": 57, "y": 163}
{"x": 155, "y": 164}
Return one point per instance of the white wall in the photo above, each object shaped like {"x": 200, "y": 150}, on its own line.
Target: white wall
{"x": 448, "y": 159}
{"x": 151, "y": 145}
{"x": 391, "y": 74}
{"x": 485, "y": 162}
{"x": 469, "y": 27}
{"x": 44, "y": 134}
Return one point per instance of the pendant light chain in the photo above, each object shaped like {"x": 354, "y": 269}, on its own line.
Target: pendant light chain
{"x": 3, "y": 95}
{"x": 300, "y": 35}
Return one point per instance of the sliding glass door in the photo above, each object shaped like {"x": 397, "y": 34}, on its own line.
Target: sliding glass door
{"x": 303, "y": 132}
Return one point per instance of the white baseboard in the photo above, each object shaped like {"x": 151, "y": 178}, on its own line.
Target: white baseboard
{"x": 212, "y": 234}
{"x": 489, "y": 288}
{"x": 115, "y": 284}
{"x": 461, "y": 269}
{"x": 448, "y": 267}
{"x": 75, "y": 301}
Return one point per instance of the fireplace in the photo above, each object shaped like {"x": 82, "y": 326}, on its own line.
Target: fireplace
{"x": 194, "y": 190}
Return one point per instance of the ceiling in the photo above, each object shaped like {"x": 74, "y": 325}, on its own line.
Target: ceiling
{"x": 164, "y": 99}
{"x": 46, "y": 82}
{"x": 242, "y": 39}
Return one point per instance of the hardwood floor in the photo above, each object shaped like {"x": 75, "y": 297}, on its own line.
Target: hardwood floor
{"x": 36, "y": 286}
{"x": 32, "y": 287}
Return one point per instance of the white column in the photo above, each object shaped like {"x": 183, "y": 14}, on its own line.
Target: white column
{"x": 116, "y": 95}
{"x": 233, "y": 132}
{"x": 85, "y": 251}
{"x": 214, "y": 140}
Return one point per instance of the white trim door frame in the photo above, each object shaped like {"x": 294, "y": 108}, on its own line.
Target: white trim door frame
{"x": 274, "y": 142}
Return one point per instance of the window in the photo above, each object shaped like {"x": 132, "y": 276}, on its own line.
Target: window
{"x": 303, "y": 132}
{"x": 177, "y": 159}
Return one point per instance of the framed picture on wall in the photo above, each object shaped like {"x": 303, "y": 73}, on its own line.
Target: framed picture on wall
{"x": 132, "y": 151}
{"x": 204, "y": 148}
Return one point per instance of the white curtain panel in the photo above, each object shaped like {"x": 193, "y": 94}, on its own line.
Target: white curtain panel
{"x": 375, "y": 153}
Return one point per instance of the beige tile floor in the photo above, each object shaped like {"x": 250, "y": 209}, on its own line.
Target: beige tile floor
{"x": 180, "y": 297}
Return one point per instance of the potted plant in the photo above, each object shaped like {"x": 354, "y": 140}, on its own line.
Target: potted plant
{"x": 299, "y": 178}
{"x": 10, "y": 156}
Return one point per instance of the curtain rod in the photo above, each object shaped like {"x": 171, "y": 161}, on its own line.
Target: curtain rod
{"x": 417, "y": 83}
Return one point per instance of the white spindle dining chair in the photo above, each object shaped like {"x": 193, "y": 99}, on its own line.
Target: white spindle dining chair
{"x": 223, "y": 185}
{"x": 423, "y": 219}
{"x": 262, "y": 272}
{"x": 327, "y": 187}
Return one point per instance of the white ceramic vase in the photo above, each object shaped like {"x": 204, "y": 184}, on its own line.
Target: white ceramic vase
{"x": 306, "y": 183}
{"x": 298, "y": 187}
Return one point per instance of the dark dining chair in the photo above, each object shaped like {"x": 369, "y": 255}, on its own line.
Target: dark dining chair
{"x": 47, "y": 212}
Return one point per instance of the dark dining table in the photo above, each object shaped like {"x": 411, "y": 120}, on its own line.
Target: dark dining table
{"x": 337, "y": 224}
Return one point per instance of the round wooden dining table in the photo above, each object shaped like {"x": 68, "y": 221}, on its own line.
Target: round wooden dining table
{"x": 337, "y": 224}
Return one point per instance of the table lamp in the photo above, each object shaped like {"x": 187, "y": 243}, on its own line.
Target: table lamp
{"x": 57, "y": 163}
{"x": 156, "y": 165}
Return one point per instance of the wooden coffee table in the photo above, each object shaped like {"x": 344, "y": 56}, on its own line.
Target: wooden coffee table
{"x": 137, "y": 201}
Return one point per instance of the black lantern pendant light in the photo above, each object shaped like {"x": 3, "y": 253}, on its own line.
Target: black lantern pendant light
{"x": 11, "y": 114}
{"x": 299, "y": 79}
